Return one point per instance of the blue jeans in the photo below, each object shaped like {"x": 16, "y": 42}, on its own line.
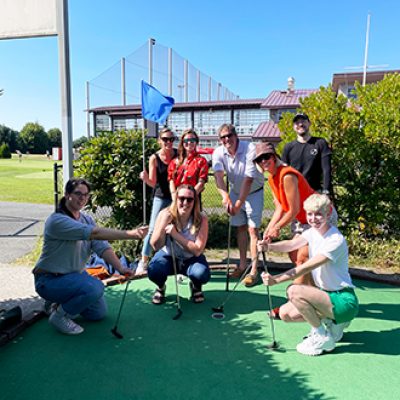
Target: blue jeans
{"x": 77, "y": 292}
{"x": 158, "y": 205}
{"x": 195, "y": 268}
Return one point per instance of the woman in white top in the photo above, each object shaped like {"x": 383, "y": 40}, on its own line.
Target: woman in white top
{"x": 184, "y": 227}
{"x": 332, "y": 304}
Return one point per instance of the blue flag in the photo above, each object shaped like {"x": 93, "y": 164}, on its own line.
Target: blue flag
{"x": 155, "y": 106}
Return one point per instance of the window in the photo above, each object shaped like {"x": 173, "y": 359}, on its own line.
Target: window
{"x": 247, "y": 121}
{"x": 179, "y": 121}
{"x": 103, "y": 123}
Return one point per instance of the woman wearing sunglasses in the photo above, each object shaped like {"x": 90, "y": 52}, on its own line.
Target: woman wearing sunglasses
{"x": 184, "y": 227}
{"x": 189, "y": 167}
{"x": 157, "y": 178}
{"x": 70, "y": 236}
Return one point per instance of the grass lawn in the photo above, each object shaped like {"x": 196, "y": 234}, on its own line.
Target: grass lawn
{"x": 27, "y": 180}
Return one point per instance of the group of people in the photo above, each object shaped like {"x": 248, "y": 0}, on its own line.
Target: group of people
{"x": 322, "y": 292}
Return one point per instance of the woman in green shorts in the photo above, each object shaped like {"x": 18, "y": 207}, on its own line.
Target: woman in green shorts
{"x": 332, "y": 304}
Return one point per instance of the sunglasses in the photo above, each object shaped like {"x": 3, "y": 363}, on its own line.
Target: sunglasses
{"x": 228, "y": 136}
{"x": 168, "y": 139}
{"x": 80, "y": 194}
{"x": 264, "y": 157}
{"x": 183, "y": 198}
{"x": 190, "y": 140}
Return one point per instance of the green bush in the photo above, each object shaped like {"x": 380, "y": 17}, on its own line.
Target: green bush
{"x": 5, "y": 151}
{"x": 112, "y": 163}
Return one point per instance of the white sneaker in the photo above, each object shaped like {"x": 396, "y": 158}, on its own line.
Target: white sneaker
{"x": 64, "y": 324}
{"x": 49, "y": 307}
{"x": 141, "y": 268}
{"x": 316, "y": 344}
{"x": 336, "y": 330}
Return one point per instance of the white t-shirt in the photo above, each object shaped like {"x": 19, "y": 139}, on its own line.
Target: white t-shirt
{"x": 334, "y": 274}
{"x": 239, "y": 166}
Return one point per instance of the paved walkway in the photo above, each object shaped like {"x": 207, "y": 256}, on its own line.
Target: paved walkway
{"x": 20, "y": 226}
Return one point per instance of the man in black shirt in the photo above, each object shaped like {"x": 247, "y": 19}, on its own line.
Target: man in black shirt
{"x": 309, "y": 155}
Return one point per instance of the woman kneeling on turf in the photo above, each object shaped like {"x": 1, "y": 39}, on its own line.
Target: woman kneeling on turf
{"x": 332, "y": 304}
{"x": 184, "y": 227}
{"x": 70, "y": 236}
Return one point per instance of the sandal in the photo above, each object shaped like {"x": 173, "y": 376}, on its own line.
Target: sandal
{"x": 159, "y": 296}
{"x": 274, "y": 313}
{"x": 197, "y": 296}
{"x": 237, "y": 273}
{"x": 250, "y": 280}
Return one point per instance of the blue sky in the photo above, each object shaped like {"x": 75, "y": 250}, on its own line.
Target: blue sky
{"x": 251, "y": 47}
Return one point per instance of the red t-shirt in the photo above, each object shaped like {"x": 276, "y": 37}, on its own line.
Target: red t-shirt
{"x": 193, "y": 168}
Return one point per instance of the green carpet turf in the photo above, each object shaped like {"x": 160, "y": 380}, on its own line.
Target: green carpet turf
{"x": 197, "y": 357}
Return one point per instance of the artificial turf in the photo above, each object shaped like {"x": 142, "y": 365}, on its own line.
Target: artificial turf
{"x": 197, "y": 357}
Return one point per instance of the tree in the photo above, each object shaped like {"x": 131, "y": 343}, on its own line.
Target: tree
{"x": 365, "y": 136}
{"x": 80, "y": 142}
{"x": 8, "y": 136}
{"x": 33, "y": 138}
{"x": 54, "y": 138}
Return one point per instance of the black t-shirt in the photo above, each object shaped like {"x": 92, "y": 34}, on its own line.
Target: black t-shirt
{"x": 312, "y": 159}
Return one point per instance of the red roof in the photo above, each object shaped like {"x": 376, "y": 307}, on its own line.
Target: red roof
{"x": 267, "y": 130}
{"x": 286, "y": 98}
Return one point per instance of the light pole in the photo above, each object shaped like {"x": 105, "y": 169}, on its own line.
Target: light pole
{"x": 181, "y": 87}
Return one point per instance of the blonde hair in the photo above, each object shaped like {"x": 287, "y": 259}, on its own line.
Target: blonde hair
{"x": 195, "y": 214}
{"x": 318, "y": 202}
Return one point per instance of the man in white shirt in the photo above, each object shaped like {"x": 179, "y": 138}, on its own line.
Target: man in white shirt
{"x": 245, "y": 200}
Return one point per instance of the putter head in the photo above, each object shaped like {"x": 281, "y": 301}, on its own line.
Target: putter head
{"x": 218, "y": 315}
{"x": 116, "y": 333}
{"x": 274, "y": 346}
{"x": 218, "y": 309}
{"x": 178, "y": 314}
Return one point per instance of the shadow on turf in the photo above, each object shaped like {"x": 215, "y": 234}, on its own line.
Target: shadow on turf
{"x": 196, "y": 356}
{"x": 384, "y": 342}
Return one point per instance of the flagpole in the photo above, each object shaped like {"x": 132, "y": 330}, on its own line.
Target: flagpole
{"x": 152, "y": 42}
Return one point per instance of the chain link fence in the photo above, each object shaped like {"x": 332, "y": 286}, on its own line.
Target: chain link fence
{"x": 211, "y": 199}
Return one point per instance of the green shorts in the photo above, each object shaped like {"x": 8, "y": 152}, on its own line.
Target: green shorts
{"x": 345, "y": 304}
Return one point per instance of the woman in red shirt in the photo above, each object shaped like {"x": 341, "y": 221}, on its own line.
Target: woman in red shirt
{"x": 189, "y": 168}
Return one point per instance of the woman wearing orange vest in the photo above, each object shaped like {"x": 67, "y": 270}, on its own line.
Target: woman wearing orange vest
{"x": 290, "y": 189}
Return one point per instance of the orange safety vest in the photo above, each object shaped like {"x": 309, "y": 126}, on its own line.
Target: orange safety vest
{"x": 305, "y": 190}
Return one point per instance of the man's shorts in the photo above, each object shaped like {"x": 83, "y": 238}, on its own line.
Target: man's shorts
{"x": 297, "y": 228}
{"x": 345, "y": 304}
{"x": 251, "y": 211}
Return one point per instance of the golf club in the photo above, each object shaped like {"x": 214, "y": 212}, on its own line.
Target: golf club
{"x": 274, "y": 345}
{"x": 229, "y": 257}
{"x": 219, "y": 311}
{"x": 114, "y": 330}
{"x": 178, "y": 300}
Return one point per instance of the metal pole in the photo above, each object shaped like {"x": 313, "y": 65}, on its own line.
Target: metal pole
{"x": 170, "y": 71}
{"x": 152, "y": 42}
{"x": 218, "y": 91}
{"x": 87, "y": 109}
{"x": 366, "y": 51}
{"x": 198, "y": 86}
{"x": 55, "y": 179}
{"x": 123, "y": 85}
{"x": 65, "y": 83}
{"x": 185, "y": 78}
{"x": 209, "y": 88}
